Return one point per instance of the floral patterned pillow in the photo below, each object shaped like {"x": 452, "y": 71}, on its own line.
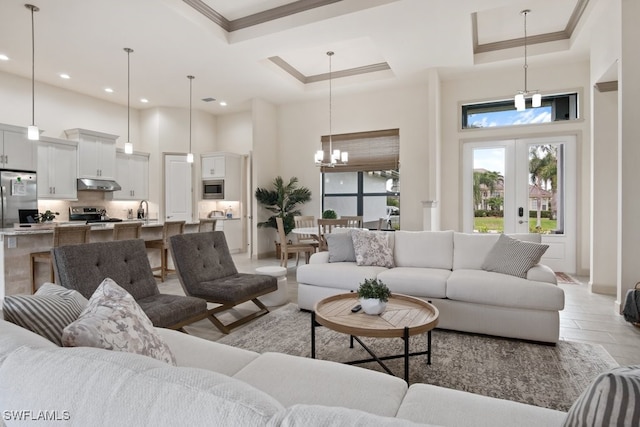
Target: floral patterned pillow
{"x": 114, "y": 321}
{"x": 372, "y": 248}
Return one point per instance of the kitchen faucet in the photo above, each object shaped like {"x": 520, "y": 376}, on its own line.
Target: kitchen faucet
{"x": 143, "y": 213}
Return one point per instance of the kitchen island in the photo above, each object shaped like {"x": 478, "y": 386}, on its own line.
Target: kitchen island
{"x": 17, "y": 244}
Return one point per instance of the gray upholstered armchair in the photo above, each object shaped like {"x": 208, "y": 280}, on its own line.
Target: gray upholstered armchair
{"x": 206, "y": 270}
{"x": 83, "y": 267}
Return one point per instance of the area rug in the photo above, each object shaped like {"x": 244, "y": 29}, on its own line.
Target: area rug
{"x": 541, "y": 375}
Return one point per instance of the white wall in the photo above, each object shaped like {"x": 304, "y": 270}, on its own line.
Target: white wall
{"x": 235, "y": 133}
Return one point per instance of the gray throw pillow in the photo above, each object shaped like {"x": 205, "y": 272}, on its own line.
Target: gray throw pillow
{"x": 512, "y": 256}
{"x": 47, "y": 312}
{"x": 610, "y": 400}
{"x": 340, "y": 247}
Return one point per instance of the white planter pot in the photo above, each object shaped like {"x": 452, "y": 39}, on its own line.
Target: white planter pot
{"x": 372, "y": 306}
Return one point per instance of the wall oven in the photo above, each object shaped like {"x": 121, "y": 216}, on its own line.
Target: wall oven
{"x": 213, "y": 189}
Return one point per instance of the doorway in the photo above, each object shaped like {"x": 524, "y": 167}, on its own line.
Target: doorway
{"x": 178, "y": 188}
{"x": 524, "y": 186}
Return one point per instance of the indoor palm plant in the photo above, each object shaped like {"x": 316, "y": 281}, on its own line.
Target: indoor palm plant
{"x": 373, "y": 295}
{"x": 283, "y": 200}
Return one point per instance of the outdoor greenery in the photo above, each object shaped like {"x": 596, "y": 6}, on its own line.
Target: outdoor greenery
{"x": 283, "y": 201}
{"x": 496, "y": 224}
{"x": 374, "y": 288}
{"x": 543, "y": 169}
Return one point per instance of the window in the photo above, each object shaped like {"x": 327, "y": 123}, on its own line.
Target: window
{"x": 368, "y": 185}
{"x": 503, "y": 113}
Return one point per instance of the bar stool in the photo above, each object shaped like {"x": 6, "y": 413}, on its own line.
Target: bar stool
{"x": 126, "y": 230}
{"x": 207, "y": 224}
{"x": 62, "y": 236}
{"x": 170, "y": 228}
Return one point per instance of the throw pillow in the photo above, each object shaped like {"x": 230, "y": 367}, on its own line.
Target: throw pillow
{"x": 372, "y": 248}
{"x": 114, "y": 321}
{"x": 610, "y": 400}
{"x": 340, "y": 247}
{"x": 512, "y": 256}
{"x": 47, "y": 312}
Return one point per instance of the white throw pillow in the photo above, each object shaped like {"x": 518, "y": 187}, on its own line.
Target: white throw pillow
{"x": 47, "y": 312}
{"x": 114, "y": 321}
{"x": 512, "y": 256}
{"x": 372, "y": 248}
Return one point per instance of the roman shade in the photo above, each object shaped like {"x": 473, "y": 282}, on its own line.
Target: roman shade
{"x": 368, "y": 151}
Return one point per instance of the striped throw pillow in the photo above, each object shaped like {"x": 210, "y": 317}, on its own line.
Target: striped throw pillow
{"x": 47, "y": 312}
{"x": 610, "y": 400}
{"x": 513, "y": 256}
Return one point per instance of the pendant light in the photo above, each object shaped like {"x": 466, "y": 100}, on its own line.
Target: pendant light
{"x": 128, "y": 146}
{"x": 190, "y": 154}
{"x": 536, "y": 98}
{"x": 336, "y": 157}
{"x": 33, "y": 133}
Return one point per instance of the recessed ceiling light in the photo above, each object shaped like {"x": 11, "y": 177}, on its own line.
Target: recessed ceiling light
{"x": 144, "y": 100}
{"x": 65, "y": 76}
{"x": 209, "y": 99}
{"x": 108, "y": 90}
{"x": 223, "y": 103}
{"x": 3, "y": 57}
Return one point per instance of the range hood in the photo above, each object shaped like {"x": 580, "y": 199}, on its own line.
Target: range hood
{"x": 97, "y": 184}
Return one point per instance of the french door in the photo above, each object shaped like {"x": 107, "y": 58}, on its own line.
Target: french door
{"x": 524, "y": 186}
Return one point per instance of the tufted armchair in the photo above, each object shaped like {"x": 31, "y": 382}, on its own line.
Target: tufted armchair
{"x": 206, "y": 270}
{"x": 83, "y": 267}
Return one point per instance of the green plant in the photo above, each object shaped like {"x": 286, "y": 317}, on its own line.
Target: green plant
{"x": 283, "y": 200}
{"x": 46, "y": 216}
{"x": 329, "y": 214}
{"x": 374, "y": 288}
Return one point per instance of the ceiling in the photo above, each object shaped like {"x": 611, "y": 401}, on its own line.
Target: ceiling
{"x": 276, "y": 49}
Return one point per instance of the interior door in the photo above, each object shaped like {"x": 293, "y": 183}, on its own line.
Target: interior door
{"x": 522, "y": 186}
{"x": 178, "y": 185}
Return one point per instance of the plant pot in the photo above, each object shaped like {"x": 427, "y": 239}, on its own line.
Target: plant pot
{"x": 372, "y": 306}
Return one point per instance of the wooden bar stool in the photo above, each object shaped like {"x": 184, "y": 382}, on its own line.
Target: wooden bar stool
{"x": 126, "y": 230}
{"x": 207, "y": 224}
{"x": 170, "y": 228}
{"x": 62, "y": 236}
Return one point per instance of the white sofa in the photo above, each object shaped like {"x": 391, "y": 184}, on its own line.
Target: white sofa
{"x": 445, "y": 267}
{"x": 214, "y": 384}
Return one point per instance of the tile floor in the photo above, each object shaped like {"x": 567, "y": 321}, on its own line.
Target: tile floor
{"x": 587, "y": 317}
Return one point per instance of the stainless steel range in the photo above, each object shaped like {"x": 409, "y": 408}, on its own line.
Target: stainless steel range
{"x": 90, "y": 214}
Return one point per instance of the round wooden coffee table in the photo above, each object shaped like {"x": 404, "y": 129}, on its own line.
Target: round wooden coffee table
{"x": 404, "y": 317}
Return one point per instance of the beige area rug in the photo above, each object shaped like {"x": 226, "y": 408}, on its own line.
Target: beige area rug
{"x": 541, "y": 375}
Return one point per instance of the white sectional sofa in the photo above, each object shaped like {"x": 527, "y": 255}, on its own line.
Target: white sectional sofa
{"x": 445, "y": 267}
{"x": 214, "y": 384}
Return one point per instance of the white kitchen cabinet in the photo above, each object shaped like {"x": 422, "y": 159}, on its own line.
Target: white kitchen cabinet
{"x": 96, "y": 153}
{"x": 57, "y": 169}
{"x": 213, "y": 166}
{"x": 132, "y": 173}
{"x": 16, "y": 150}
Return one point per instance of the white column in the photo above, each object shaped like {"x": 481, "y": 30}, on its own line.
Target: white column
{"x": 429, "y": 215}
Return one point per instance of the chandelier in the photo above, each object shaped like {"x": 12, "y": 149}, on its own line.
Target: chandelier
{"x": 536, "y": 98}
{"x": 336, "y": 158}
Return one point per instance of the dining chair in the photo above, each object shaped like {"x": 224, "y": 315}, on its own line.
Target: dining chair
{"x": 306, "y": 221}
{"x": 207, "y": 224}
{"x": 353, "y": 221}
{"x": 62, "y": 236}
{"x": 286, "y": 248}
{"x": 170, "y": 228}
{"x": 326, "y": 226}
{"x": 126, "y": 230}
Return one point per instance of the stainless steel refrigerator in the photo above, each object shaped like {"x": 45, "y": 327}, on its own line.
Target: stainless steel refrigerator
{"x": 18, "y": 192}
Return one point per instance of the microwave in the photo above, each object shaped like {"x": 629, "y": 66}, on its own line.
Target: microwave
{"x": 213, "y": 189}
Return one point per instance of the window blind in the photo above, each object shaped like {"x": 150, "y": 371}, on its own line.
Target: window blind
{"x": 368, "y": 151}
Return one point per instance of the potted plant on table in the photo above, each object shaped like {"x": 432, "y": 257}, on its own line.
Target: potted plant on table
{"x": 46, "y": 216}
{"x": 374, "y": 296}
{"x": 283, "y": 200}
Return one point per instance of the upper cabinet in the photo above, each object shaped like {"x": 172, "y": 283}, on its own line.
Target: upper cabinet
{"x": 226, "y": 166}
{"x": 96, "y": 153}
{"x": 57, "y": 169}
{"x": 213, "y": 166}
{"x": 16, "y": 150}
{"x": 132, "y": 173}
